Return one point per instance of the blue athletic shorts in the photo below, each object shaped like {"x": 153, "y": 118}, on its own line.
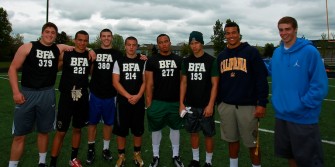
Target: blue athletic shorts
{"x": 101, "y": 109}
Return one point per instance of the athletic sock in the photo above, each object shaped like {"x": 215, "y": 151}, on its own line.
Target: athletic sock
{"x": 256, "y": 165}
{"x": 175, "y": 137}
{"x": 42, "y": 157}
{"x": 195, "y": 153}
{"x": 137, "y": 149}
{"x": 156, "y": 140}
{"x": 74, "y": 153}
{"x": 209, "y": 157}
{"x": 233, "y": 162}
{"x": 91, "y": 145}
{"x": 53, "y": 161}
{"x": 13, "y": 163}
{"x": 121, "y": 151}
{"x": 106, "y": 144}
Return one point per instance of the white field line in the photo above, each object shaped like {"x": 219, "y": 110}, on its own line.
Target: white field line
{"x": 271, "y": 131}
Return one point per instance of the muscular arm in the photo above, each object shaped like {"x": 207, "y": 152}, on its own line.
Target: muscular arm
{"x": 209, "y": 108}
{"x": 183, "y": 86}
{"x": 19, "y": 58}
{"x": 148, "y": 87}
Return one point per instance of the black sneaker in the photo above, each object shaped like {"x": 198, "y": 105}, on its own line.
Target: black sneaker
{"x": 42, "y": 165}
{"x": 194, "y": 163}
{"x": 177, "y": 162}
{"x": 90, "y": 157}
{"x": 155, "y": 162}
{"x": 107, "y": 154}
{"x": 208, "y": 165}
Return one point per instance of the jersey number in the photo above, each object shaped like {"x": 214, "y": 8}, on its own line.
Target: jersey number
{"x": 45, "y": 63}
{"x": 167, "y": 72}
{"x": 196, "y": 76}
{"x": 104, "y": 66}
{"x": 79, "y": 70}
{"x": 130, "y": 76}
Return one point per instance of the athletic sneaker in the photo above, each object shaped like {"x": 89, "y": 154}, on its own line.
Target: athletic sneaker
{"x": 42, "y": 165}
{"x": 121, "y": 161}
{"x": 177, "y": 162}
{"x": 155, "y": 162}
{"x": 208, "y": 165}
{"x": 75, "y": 163}
{"x": 138, "y": 159}
{"x": 107, "y": 154}
{"x": 90, "y": 157}
{"x": 194, "y": 163}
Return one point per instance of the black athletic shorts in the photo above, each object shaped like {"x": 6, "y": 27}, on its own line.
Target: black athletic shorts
{"x": 131, "y": 117}
{"x": 196, "y": 121}
{"x": 69, "y": 109}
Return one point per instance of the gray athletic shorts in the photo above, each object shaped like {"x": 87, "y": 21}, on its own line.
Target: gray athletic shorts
{"x": 299, "y": 142}
{"x": 238, "y": 122}
{"x": 39, "y": 109}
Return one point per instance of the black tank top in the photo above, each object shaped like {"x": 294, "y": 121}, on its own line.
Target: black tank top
{"x": 76, "y": 68}
{"x": 40, "y": 67}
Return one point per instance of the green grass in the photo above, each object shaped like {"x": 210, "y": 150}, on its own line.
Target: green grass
{"x": 220, "y": 157}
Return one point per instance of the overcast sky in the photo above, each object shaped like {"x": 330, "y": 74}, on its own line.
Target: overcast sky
{"x": 145, "y": 19}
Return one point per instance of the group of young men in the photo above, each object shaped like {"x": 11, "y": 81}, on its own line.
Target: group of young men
{"x": 178, "y": 91}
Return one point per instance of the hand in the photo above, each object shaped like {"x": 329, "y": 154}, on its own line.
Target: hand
{"x": 92, "y": 55}
{"x": 19, "y": 98}
{"x": 260, "y": 111}
{"x": 144, "y": 57}
{"x": 208, "y": 111}
{"x": 133, "y": 99}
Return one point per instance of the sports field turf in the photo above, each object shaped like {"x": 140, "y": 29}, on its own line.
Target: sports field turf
{"x": 220, "y": 158}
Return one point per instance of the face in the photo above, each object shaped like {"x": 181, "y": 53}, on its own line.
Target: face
{"x": 48, "y": 36}
{"x": 232, "y": 36}
{"x": 81, "y": 42}
{"x": 164, "y": 45}
{"x": 196, "y": 47}
{"x": 106, "y": 39}
{"x": 287, "y": 33}
{"x": 131, "y": 47}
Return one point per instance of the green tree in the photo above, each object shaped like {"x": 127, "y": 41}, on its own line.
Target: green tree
{"x": 218, "y": 38}
{"x": 16, "y": 42}
{"x": 185, "y": 50}
{"x": 268, "y": 50}
{"x": 5, "y": 30}
{"x": 118, "y": 42}
{"x": 62, "y": 38}
{"x": 97, "y": 42}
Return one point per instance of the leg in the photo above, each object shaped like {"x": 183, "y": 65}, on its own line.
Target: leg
{"x": 209, "y": 144}
{"x": 234, "y": 148}
{"x": 91, "y": 133}
{"x": 76, "y": 135}
{"x": 107, "y": 133}
{"x": 57, "y": 143}
{"x": 42, "y": 142}
{"x": 195, "y": 140}
{"x": 255, "y": 159}
{"x": 17, "y": 148}
{"x": 292, "y": 163}
{"x": 121, "y": 143}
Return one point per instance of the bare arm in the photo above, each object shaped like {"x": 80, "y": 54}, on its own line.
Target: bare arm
{"x": 60, "y": 61}
{"x": 183, "y": 86}
{"x": 19, "y": 58}
{"x": 209, "y": 108}
{"x": 148, "y": 87}
{"x": 138, "y": 96}
{"x": 119, "y": 88}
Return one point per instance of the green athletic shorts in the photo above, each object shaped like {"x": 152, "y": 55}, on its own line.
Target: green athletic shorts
{"x": 161, "y": 113}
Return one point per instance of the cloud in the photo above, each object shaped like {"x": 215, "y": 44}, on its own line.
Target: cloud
{"x": 146, "y": 19}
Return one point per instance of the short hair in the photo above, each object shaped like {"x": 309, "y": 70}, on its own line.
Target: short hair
{"x": 161, "y": 35}
{"x": 49, "y": 24}
{"x": 232, "y": 24}
{"x": 288, "y": 20}
{"x": 105, "y": 30}
{"x": 81, "y": 32}
{"x": 130, "y": 38}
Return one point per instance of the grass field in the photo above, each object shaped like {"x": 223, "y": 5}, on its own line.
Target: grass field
{"x": 220, "y": 158}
